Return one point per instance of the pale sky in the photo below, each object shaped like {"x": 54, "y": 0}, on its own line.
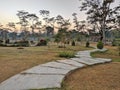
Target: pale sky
{"x": 9, "y": 8}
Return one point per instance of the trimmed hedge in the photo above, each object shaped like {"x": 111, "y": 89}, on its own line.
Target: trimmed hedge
{"x": 100, "y": 45}
{"x": 67, "y": 54}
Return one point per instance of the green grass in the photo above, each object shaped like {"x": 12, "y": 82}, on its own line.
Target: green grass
{"x": 13, "y": 60}
{"x": 111, "y": 53}
{"x": 67, "y": 54}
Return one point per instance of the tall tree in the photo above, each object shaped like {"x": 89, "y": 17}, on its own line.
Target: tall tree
{"x": 22, "y": 15}
{"x": 62, "y": 23}
{"x": 45, "y": 15}
{"x": 12, "y": 26}
{"x": 75, "y": 21}
{"x": 99, "y": 13}
{"x": 33, "y": 19}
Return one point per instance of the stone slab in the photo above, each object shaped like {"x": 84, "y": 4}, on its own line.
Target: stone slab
{"x": 59, "y": 65}
{"x": 46, "y": 70}
{"x": 88, "y": 61}
{"x": 83, "y": 54}
{"x": 104, "y": 59}
{"x": 72, "y": 62}
{"x": 32, "y": 81}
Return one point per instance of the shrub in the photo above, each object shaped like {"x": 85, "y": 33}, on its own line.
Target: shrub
{"x": 1, "y": 41}
{"x": 100, "y": 45}
{"x": 42, "y": 43}
{"x": 22, "y": 43}
{"x": 114, "y": 43}
{"x": 67, "y": 54}
{"x": 73, "y": 43}
{"x": 87, "y": 44}
{"x": 3, "y": 45}
{"x": 61, "y": 46}
{"x": 7, "y": 41}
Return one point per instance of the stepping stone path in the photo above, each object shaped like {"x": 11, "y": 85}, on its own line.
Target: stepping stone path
{"x": 51, "y": 74}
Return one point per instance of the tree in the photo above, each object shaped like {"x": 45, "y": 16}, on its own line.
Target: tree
{"x": 75, "y": 21}
{"x": 99, "y": 13}
{"x": 33, "y": 19}
{"x": 45, "y": 15}
{"x": 61, "y": 36}
{"x": 62, "y": 23}
{"x": 38, "y": 25}
{"x": 22, "y": 15}
{"x": 12, "y": 26}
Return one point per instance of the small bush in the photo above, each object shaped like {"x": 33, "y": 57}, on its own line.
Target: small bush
{"x": 7, "y": 41}
{"x": 67, "y": 54}
{"x": 21, "y": 43}
{"x": 114, "y": 43}
{"x": 61, "y": 46}
{"x": 1, "y": 41}
{"x": 73, "y": 43}
{"x": 87, "y": 44}
{"x": 100, "y": 45}
{"x": 3, "y": 45}
{"x": 42, "y": 42}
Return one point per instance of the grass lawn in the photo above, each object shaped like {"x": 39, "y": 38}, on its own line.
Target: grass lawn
{"x": 98, "y": 77}
{"x": 13, "y": 60}
{"x": 111, "y": 53}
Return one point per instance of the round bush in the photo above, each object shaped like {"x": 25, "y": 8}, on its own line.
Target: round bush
{"x": 87, "y": 44}
{"x": 100, "y": 45}
{"x": 42, "y": 43}
{"x": 73, "y": 43}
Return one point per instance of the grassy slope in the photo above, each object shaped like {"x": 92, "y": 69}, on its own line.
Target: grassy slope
{"x": 13, "y": 60}
{"x": 111, "y": 53}
{"x": 101, "y": 77}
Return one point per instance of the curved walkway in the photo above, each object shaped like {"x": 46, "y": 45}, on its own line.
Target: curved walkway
{"x": 51, "y": 74}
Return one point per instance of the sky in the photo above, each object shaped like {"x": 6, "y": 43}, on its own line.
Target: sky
{"x": 9, "y": 8}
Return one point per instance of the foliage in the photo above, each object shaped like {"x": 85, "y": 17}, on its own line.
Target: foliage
{"x": 7, "y": 41}
{"x": 73, "y": 43}
{"x": 22, "y": 43}
{"x": 3, "y": 45}
{"x": 1, "y": 41}
{"x": 100, "y": 45}
{"x": 67, "y": 54}
{"x": 115, "y": 42}
{"x": 42, "y": 42}
{"x": 100, "y": 13}
{"x": 87, "y": 44}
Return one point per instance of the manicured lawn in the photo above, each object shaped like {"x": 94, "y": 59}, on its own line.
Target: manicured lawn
{"x": 111, "y": 53}
{"x": 13, "y": 60}
{"x": 99, "y": 77}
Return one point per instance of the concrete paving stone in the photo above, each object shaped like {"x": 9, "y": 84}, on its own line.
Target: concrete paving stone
{"x": 59, "y": 65}
{"x": 32, "y": 81}
{"x": 46, "y": 70}
{"x": 88, "y": 61}
{"x": 71, "y": 62}
{"x": 104, "y": 59}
